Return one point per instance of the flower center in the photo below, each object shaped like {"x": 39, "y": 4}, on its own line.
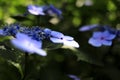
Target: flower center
{"x": 102, "y": 38}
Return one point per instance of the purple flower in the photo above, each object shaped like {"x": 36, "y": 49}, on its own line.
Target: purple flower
{"x": 73, "y": 77}
{"x": 36, "y": 10}
{"x": 57, "y": 37}
{"x": 101, "y": 38}
{"x": 88, "y": 27}
{"x": 26, "y": 44}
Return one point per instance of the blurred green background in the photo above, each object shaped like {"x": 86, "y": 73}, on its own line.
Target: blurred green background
{"x": 86, "y": 62}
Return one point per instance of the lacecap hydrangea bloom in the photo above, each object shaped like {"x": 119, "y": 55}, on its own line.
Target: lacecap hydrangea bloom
{"x": 101, "y": 38}
{"x": 30, "y": 39}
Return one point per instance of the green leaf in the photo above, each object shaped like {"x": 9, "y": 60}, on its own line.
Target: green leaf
{"x": 88, "y": 58}
{"x": 4, "y": 38}
{"x": 18, "y": 66}
{"x": 7, "y": 71}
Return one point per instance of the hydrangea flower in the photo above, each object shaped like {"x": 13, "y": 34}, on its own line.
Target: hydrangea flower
{"x": 57, "y": 37}
{"x": 101, "y": 38}
{"x": 73, "y": 77}
{"x": 52, "y": 11}
{"x": 36, "y": 10}
{"x": 44, "y": 10}
{"x": 26, "y": 44}
{"x": 1, "y": 32}
{"x": 29, "y": 39}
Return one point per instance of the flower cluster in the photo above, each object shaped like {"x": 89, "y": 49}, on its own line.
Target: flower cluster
{"x": 30, "y": 39}
{"x": 103, "y": 36}
{"x": 44, "y": 10}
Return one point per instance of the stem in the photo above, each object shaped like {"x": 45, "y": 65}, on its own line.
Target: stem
{"x": 38, "y": 20}
{"x": 25, "y": 66}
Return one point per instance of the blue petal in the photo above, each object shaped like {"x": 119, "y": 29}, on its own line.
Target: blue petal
{"x": 55, "y": 10}
{"x": 56, "y": 40}
{"x": 47, "y": 31}
{"x": 97, "y": 34}
{"x": 107, "y": 43}
{"x": 56, "y": 34}
{"x": 108, "y": 35}
{"x": 111, "y": 36}
{"x": 88, "y": 27}
{"x": 35, "y": 10}
{"x": 95, "y": 42}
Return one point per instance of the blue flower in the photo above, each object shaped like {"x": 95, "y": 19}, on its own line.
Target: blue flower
{"x": 88, "y": 27}
{"x": 57, "y": 37}
{"x": 36, "y": 10}
{"x": 101, "y": 38}
{"x": 52, "y": 11}
{"x": 26, "y": 44}
{"x": 44, "y": 10}
{"x": 1, "y": 32}
{"x": 73, "y": 77}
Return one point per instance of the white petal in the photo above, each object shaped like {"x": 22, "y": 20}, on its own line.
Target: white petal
{"x": 71, "y": 43}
